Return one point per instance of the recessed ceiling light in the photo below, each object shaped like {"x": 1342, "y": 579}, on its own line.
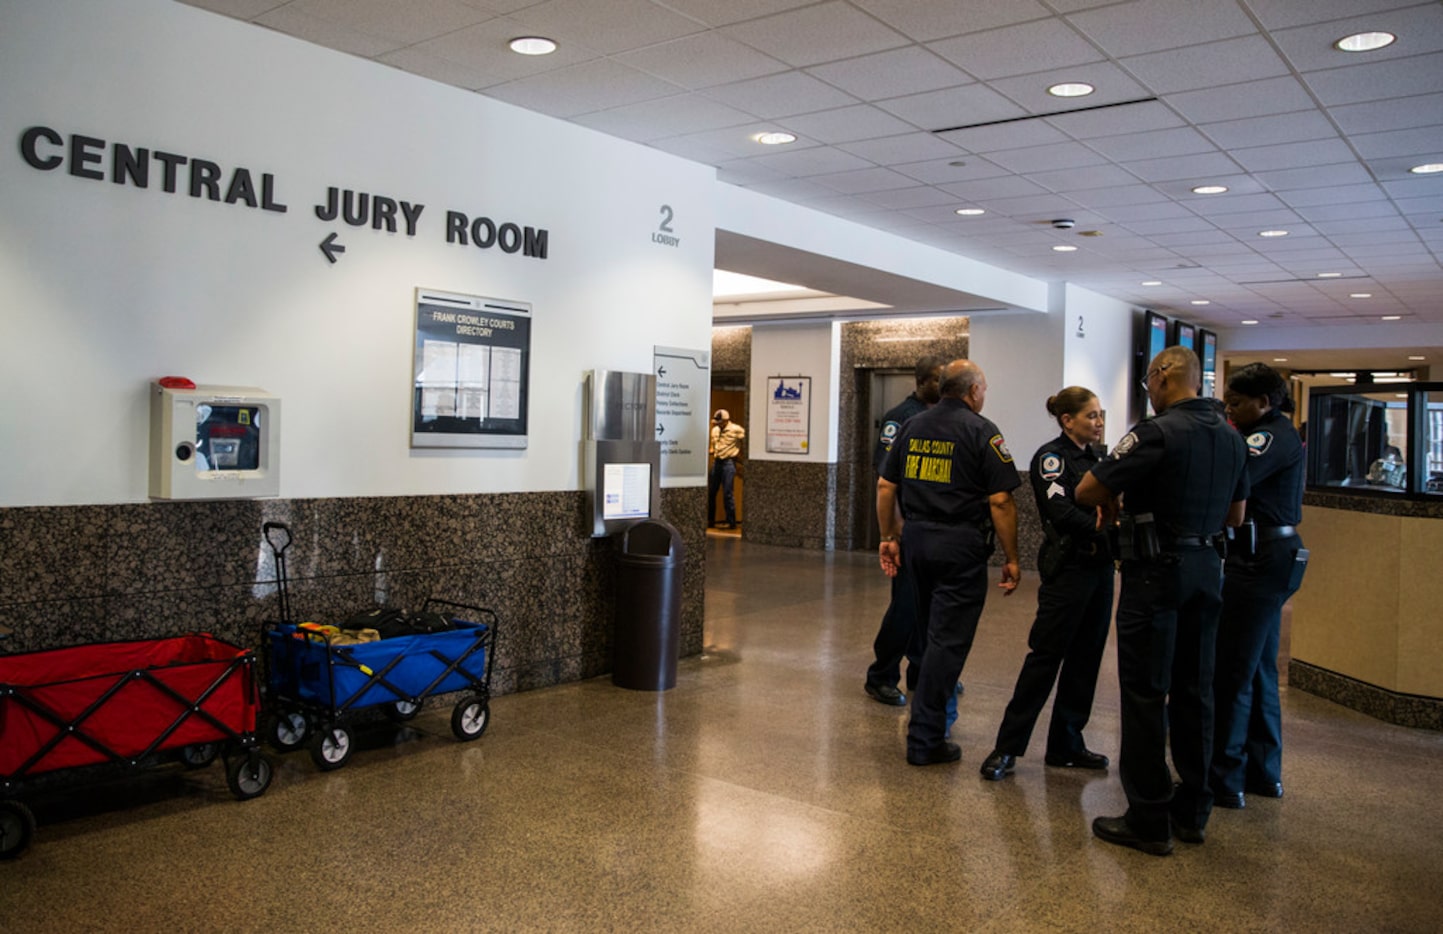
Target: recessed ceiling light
{"x": 533, "y": 45}
{"x": 1330, "y": 275}
{"x": 1272, "y": 233}
{"x": 1250, "y": 321}
{"x": 1280, "y": 359}
{"x": 1209, "y": 189}
{"x": 1392, "y": 317}
{"x": 775, "y": 138}
{"x": 1365, "y": 41}
{"x": 1152, "y": 282}
{"x": 1064, "y": 248}
{"x": 1360, "y": 294}
{"x": 1071, "y": 89}
{"x": 970, "y": 212}
{"x": 1427, "y": 168}
{"x": 1417, "y": 357}
{"x": 1199, "y": 301}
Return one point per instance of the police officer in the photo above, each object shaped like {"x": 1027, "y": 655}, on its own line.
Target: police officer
{"x": 1074, "y": 603}
{"x": 899, "y": 634}
{"x": 946, "y": 490}
{"x": 1182, "y": 477}
{"x": 1263, "y": 570}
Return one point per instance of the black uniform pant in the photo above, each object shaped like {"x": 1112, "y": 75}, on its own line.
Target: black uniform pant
{"x": 1248, "y": 743}
{"x": 723, "y": 478}
{"x": 949, "y": 565}
{"x": 899, "y": 636}
{"x": 1167, "y": 621}
{"x": 1068, "y": 636}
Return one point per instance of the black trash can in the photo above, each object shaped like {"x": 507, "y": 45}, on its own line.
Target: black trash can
{"x": 648, "y": 607}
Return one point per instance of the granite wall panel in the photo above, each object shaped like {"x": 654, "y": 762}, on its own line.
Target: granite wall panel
{"x": 75, "y": 575}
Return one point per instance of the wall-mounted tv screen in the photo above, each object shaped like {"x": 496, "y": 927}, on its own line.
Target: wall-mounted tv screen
{"x": 1156, "y": 327}
{"x": 1208, "y": 353}
{"x": 1184, "y": 335}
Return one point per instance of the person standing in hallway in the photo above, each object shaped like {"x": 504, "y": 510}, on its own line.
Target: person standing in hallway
{"x": 725, "y": 449}
{"x": 1263, "y": 569}
{"x": 899, "y": 635}
{"x": 944, "y": 497}
{"x": 1074, "y": 602}
{"x": 1182, "y": 475}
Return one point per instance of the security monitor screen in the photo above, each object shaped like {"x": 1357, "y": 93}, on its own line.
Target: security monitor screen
{"x": 227, "y": 437}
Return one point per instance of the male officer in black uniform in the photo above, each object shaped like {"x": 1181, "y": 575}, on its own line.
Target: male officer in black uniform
{"x": 1264, "y": 567}
{"x": 946, "y": 488}
{"x": 1182, "y": 476}
{"x": 898, "y": 635}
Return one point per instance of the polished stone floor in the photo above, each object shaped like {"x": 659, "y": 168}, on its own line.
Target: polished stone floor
{"x": 765, "y": 792}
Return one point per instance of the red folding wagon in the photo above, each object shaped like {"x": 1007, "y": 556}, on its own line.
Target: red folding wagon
{"x": 76, "y": 713}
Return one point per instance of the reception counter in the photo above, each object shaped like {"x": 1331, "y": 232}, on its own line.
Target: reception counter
{"x": 1367, "y": 628}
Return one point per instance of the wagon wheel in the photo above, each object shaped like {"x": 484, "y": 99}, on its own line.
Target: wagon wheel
{"x": 248, "y": 776}
{"x": 470, "y": 717}
{"x": 289, "y": 730}
{"x": 17, "y": 826}
{"x": 199, "y": 755}
{"x": 331, "y": 747}
{"x": 403, "y": 711}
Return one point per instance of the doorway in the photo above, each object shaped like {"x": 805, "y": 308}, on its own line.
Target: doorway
{"x": 886, "y": 388}
{"x": 732, "y": 396}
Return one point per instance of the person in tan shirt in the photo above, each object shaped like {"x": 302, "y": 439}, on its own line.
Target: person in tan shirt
{"x": 725, "y": 450}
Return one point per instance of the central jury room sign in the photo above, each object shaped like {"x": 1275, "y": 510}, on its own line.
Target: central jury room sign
{"x": 789, "y": 414}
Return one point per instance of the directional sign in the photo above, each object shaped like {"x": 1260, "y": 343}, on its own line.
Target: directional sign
{"x": 683, "y": 393}
{"x": 330, "y": 247}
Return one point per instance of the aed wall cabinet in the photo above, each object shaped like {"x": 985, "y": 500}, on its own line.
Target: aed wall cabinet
{"x": 214, "y": 442}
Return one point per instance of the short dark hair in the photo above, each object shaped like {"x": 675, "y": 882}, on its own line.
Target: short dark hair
{"x": 926, "y": 367}
{"x": 1259, "y": 379}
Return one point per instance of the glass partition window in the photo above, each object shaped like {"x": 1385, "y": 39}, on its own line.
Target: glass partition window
{"x": 1433, "y": 443}
{"x": 1363, "y": 441}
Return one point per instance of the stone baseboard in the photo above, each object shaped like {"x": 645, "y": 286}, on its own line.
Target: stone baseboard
{"x": 1411, "y": 710}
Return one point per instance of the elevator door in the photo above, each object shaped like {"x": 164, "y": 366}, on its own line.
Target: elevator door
{"x": 889, "y": 387}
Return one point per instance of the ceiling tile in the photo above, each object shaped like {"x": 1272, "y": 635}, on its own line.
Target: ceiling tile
{"x": 938, "y": 172}
{"x": 1315, "y": 152}
{"x": 407, "y": 23}
{"x": 1114, "y": 86}
{"x": 1108, "y": 200}
{"x": 1310, "y": 48}
{"x": 903, "y": 150}
{"x": 1263, "y": 131}
{"x": 330, "y": 33}
{"x": 937, "y": 110}
{"x": 817, "y": 34}
{"x": 847, "y": 124}
{"x": 780, "y": 95}
{"x": 1234, "y": 102}
{"x": 436, "y": 68}
{"x": 1115, "y": 121}
{"x": 1318, "y": 176}
{"x": 1078, "y": 179}
{"x": 1195, "y": 166}
{"x": 1337, "y": 194}
{"x": 925, "y": 20}
{"x": 1154, "y": 144}
{"x": 701, "y": 61}
{"x": 596, "y": 85}
{"x": 722, "y": 12}
{"x": 864, "y": 180}
{"x": 815, "y": 161}
{"x": 893, "y": 73}
{"x": 1247, "y": 58}
{"x": 668, "y": 116}
{"x": 1009, "y": 135}
{"x": 1377, "y": 81}
{"x": 1017, "y": 50}
{"x": 1044, "y": 158}
{"x": 483, "y": 48}
{"x": 915, "y": 197}
{"x": 610, "y": 27}
{"x": 1153, "y": 25}
{"x": 994, "y": 188}
{"x": 1379, "y": 116}
{"x": 1419, "y": 142}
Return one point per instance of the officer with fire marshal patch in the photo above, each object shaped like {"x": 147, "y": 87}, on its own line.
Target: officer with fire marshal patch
{"x": 943, "y": 501}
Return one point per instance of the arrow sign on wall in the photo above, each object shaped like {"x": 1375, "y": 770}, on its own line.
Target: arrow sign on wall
{"x": 330, "y": 247}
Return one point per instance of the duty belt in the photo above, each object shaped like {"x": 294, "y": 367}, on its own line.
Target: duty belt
{"x": 1190, "y": 541}
{"x": 1268, "y": 533}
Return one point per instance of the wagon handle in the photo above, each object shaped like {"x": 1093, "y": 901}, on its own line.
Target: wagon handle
{"x": 283, "y": 590}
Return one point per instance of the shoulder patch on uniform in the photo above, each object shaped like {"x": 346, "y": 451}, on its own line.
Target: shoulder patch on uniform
{"x": 1128, "y": 442}
{"x": 889, "y": 433}
{"x": 1050, "y": 467}
{"x": 1259, "y": 442}
{"x": 1000, "y": 447}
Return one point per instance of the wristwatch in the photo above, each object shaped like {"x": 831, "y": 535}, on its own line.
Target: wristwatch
{"x": 889, "y": 538}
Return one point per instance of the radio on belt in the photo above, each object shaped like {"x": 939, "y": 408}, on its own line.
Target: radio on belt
{"x": 213, "y": 442}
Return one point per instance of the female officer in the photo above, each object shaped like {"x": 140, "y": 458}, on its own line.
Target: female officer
{"x": 1074, "y": 603}
{"x": 1263, "y": 570}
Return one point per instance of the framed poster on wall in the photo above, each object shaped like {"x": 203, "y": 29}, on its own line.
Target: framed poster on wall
{"x": 472, "y": 359}
{"x": 789, "y": 414}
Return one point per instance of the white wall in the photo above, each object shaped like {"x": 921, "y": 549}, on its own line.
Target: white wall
{"x": 808, "y": 349}
{"x": 1021, "y": 354}
{"x": 1100, "y": 357}
{"x": 104, "y": 287}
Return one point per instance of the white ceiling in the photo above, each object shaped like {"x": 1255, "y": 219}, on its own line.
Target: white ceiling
{"x": 1244, "y": 93}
